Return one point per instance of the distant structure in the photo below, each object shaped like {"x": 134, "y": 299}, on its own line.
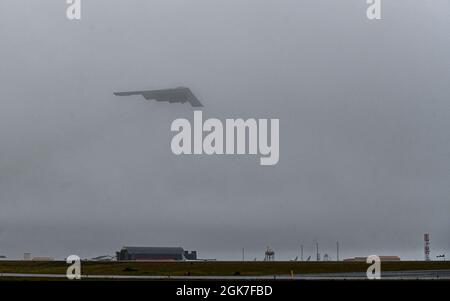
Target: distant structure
{"x": 441, "y": 256}
{"x": 382, "y": 258}
{"x": 155, "y": 253}
{"x": 426, "y": 249}
{"x": 26, "y": 256}
{"x": 269, "y": 255}
{"x": 326, "y": 257}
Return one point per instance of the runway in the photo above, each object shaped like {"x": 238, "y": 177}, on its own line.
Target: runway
{"x": 391, "y": 275}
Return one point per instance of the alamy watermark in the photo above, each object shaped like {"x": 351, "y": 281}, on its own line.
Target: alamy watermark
{"x": 374, "y": 270}
{"x": 74, "y": 270}
{"x": 73, "y": 11}
{"x": 235, "y": 137}
{"x": 374, "y": 10}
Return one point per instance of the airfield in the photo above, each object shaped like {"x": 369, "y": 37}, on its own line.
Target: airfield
{"x": 224, "y": 270}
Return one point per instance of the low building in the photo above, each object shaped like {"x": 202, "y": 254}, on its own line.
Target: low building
{"x": 103, "y": 258}
{"x": 382, "y": 258}
{"x": 192, "y": 255}
{"x": 42, "y": 259}
{"x": 155, "y": 253}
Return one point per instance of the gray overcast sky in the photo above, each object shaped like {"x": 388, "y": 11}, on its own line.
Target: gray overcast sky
{"x": 364, "y": 123}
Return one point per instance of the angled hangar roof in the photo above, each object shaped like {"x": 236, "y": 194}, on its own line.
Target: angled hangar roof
{"x": 153, "y": 250}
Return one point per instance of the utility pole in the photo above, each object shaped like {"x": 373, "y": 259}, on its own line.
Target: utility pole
{"x": 243, "y": 254}
{"x": 337, "y": 250}
{"x": 317, "y": 251}
{"x": 301, "y": 252}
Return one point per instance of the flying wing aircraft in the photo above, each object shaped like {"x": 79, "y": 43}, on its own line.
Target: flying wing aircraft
{"x": 176, "y": 95}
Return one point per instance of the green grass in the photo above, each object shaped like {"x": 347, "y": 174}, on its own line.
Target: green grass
{"x": 219, "y": 268}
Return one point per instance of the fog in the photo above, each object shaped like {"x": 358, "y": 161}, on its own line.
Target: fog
{"x": 364, "y": 127}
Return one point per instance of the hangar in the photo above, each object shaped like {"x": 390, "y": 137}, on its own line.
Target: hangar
{"x": 155, "y": 253}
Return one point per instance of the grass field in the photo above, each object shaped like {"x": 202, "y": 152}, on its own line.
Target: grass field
{"x": 213, "y": 268}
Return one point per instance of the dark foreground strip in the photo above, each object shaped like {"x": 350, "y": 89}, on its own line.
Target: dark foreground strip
{"x": 207, "y": 290}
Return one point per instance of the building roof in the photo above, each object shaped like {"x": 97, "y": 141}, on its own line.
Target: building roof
{"x": 382, "y": 258}
{"x": 153, "y": 250}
